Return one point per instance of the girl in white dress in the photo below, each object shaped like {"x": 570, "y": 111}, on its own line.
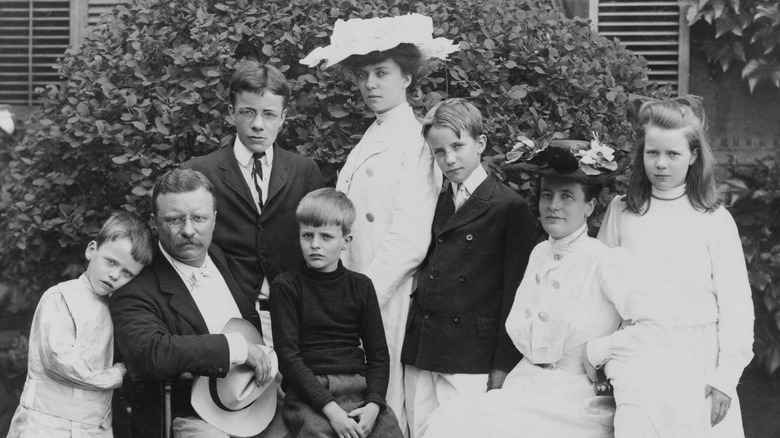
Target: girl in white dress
{"x": 574, "y": 296}
{"x": 670, "y": 219}
{"x": 389, "y": 175}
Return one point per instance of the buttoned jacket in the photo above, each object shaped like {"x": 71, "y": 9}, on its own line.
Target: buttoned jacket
{"x": 467, "y": 283}
{"x": 161, "y": 334}
{"x": 252, "y": 239}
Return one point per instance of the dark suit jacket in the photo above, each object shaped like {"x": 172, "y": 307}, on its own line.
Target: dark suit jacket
{"x": 251, "y": 240}
{"x": 161, "y": 334}
{"x": 467, "y": 284}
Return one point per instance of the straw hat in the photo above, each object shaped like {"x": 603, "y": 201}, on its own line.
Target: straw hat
{"x": 234, "y": 403}
{"x": 359, "y": 36}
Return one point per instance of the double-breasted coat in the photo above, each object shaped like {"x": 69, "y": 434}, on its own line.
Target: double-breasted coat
{"x": 161, "y": 334}
{"x": 467, "y": 284}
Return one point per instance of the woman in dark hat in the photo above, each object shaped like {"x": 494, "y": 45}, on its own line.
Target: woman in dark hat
{"x": 566, "y": 320}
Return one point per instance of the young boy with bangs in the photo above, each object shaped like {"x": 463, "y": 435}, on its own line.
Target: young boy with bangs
{"x": 482, "y": 235}
{"x": 71, "y": 371}
{"x": 321, "y": 314}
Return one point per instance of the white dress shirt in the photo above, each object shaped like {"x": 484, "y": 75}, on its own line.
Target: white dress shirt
{"x": 214, "y": 300}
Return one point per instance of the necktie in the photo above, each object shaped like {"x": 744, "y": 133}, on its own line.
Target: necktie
{"x": 257, "y": 175}
{"x": 461, "y": 196}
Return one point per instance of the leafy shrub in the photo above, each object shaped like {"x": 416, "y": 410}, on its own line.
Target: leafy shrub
{"x": 753, "y": 195}
{"x": 148, "y": 89}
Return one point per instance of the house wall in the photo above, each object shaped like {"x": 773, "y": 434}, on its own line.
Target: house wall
{"x": 742, "y": 124}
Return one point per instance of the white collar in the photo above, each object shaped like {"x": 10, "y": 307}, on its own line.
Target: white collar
{"x": 471, "y": 183}
{"x": 393, "y": 113}
{"x": 564, "y": 244}
{"x": 187, "y": 272}
{"x": 244, "y": 155}
{"x": 669, "y": 195}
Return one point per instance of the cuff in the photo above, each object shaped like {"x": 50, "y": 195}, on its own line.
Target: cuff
{"x": 237, "y": 347}
{"x": 598, "y": 352}
{"x": 722, "y": 381}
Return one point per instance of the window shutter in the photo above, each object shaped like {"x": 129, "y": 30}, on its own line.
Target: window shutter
{"x": 654, "y": 29}
{"x": 34, "y": 34}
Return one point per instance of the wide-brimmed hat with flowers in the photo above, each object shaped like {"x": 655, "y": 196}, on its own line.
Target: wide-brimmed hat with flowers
{"x": 585, "y": 161}
{"x": 358, "y": 36}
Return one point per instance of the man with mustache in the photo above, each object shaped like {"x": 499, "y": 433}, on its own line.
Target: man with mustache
{"x": 168, "y": 321}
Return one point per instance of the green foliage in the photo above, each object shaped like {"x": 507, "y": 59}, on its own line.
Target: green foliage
{"x": 753, "y": 194}
{"x": 747, "y": 33}
{"x": 148, "y": 89}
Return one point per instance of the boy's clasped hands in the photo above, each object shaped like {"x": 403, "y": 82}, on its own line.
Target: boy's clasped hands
{"x": 356, "y": 424}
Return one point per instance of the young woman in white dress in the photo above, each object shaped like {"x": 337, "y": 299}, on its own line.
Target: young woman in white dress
{"x": 574, "y": 296}
{"x": 670, "y": 219}
{"x": 389, "y": 175}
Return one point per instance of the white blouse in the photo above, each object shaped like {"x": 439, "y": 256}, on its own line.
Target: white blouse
{"x": 696, "y": 259}
{"x": 577, "y": 291}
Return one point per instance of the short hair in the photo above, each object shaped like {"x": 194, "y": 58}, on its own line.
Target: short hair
{"x": 326, "y": 206}
{"x": 457, "y": 114}
{"x": 182, "y": 180}
{"x": 130, "y": 226}
{"x": 406, "y": 55}
{"x": 254, "y": 77}
{"x": 685, "y": 113}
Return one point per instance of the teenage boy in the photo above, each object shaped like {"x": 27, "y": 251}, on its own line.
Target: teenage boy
{"x": 258, "y": 186}
{"x": 322, "y": 313}
{"x": 71, "y": 371}
{"x": 483, "y": 233}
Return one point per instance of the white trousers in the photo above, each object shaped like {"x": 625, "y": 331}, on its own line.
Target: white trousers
{"x": 427, "y": 390}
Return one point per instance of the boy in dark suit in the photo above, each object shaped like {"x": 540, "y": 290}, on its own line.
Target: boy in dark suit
{"x": 483, "y": 233}
{"x": 258, "y": 186}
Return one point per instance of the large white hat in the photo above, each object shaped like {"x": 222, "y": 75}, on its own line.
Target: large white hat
{"x": 235, "y": 403}
{"x": 359, "y": 36}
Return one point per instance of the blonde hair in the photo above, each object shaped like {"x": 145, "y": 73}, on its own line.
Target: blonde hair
{"x": 326, "y": 206}
{"x": 686, "y": 113}
{"x": 457, "y": 114}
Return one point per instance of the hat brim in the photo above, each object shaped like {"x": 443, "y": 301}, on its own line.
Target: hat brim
{"x": 255, "y": 417}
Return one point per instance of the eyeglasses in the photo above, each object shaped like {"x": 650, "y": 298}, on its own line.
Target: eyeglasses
{"x": 247, "y": 114}
{"x": 177, "y": 221}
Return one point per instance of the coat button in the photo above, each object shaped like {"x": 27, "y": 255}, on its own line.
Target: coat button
{"x": 370, "y": 217}
{"x": 432, "y": 275}
{"x": 557, "y": 257}
{"x": 469, "y": 237}
{"x": 440, "y": 239}
{"x": 555, "y": 284}
{"x": 538, "y": 279}
{"x": 462, "y": 278}
{"x": 219, "y": 369}
{"x": 427, "y": 315}
{"x": 262, "y": 258}
{"x": 543, "y": 316}
{"x": 527, "y": 313}
{"x": 456, "y": 319}
{"x": 370, "y": 172}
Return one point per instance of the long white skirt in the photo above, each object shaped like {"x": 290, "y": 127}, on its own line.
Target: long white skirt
{"x": 534, "y": 402}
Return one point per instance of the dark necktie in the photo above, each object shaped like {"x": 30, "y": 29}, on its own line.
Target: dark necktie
{"x": 257, "y": 175}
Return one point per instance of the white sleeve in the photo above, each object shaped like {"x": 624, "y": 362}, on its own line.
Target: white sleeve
{"x": 64, "y": 357}
{"x": 404, "y": 246}
{"x": 645, "y": 332}
{"x": 735, "y": 305}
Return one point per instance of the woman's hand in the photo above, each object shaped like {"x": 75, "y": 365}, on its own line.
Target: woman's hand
{"x": 344, "y": 426}
{"x": 366, "y": 417}
{"x": 720, "y": 404}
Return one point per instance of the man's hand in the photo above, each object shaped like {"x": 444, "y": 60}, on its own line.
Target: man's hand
{"x": 496, "y": 379}
{"x": 366, "y": 417}
{"x": 344, "y": 426}
{"x": 720, "y": 404}
{"x": 121, "y": 367}
{"x": 257, "y": 359}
